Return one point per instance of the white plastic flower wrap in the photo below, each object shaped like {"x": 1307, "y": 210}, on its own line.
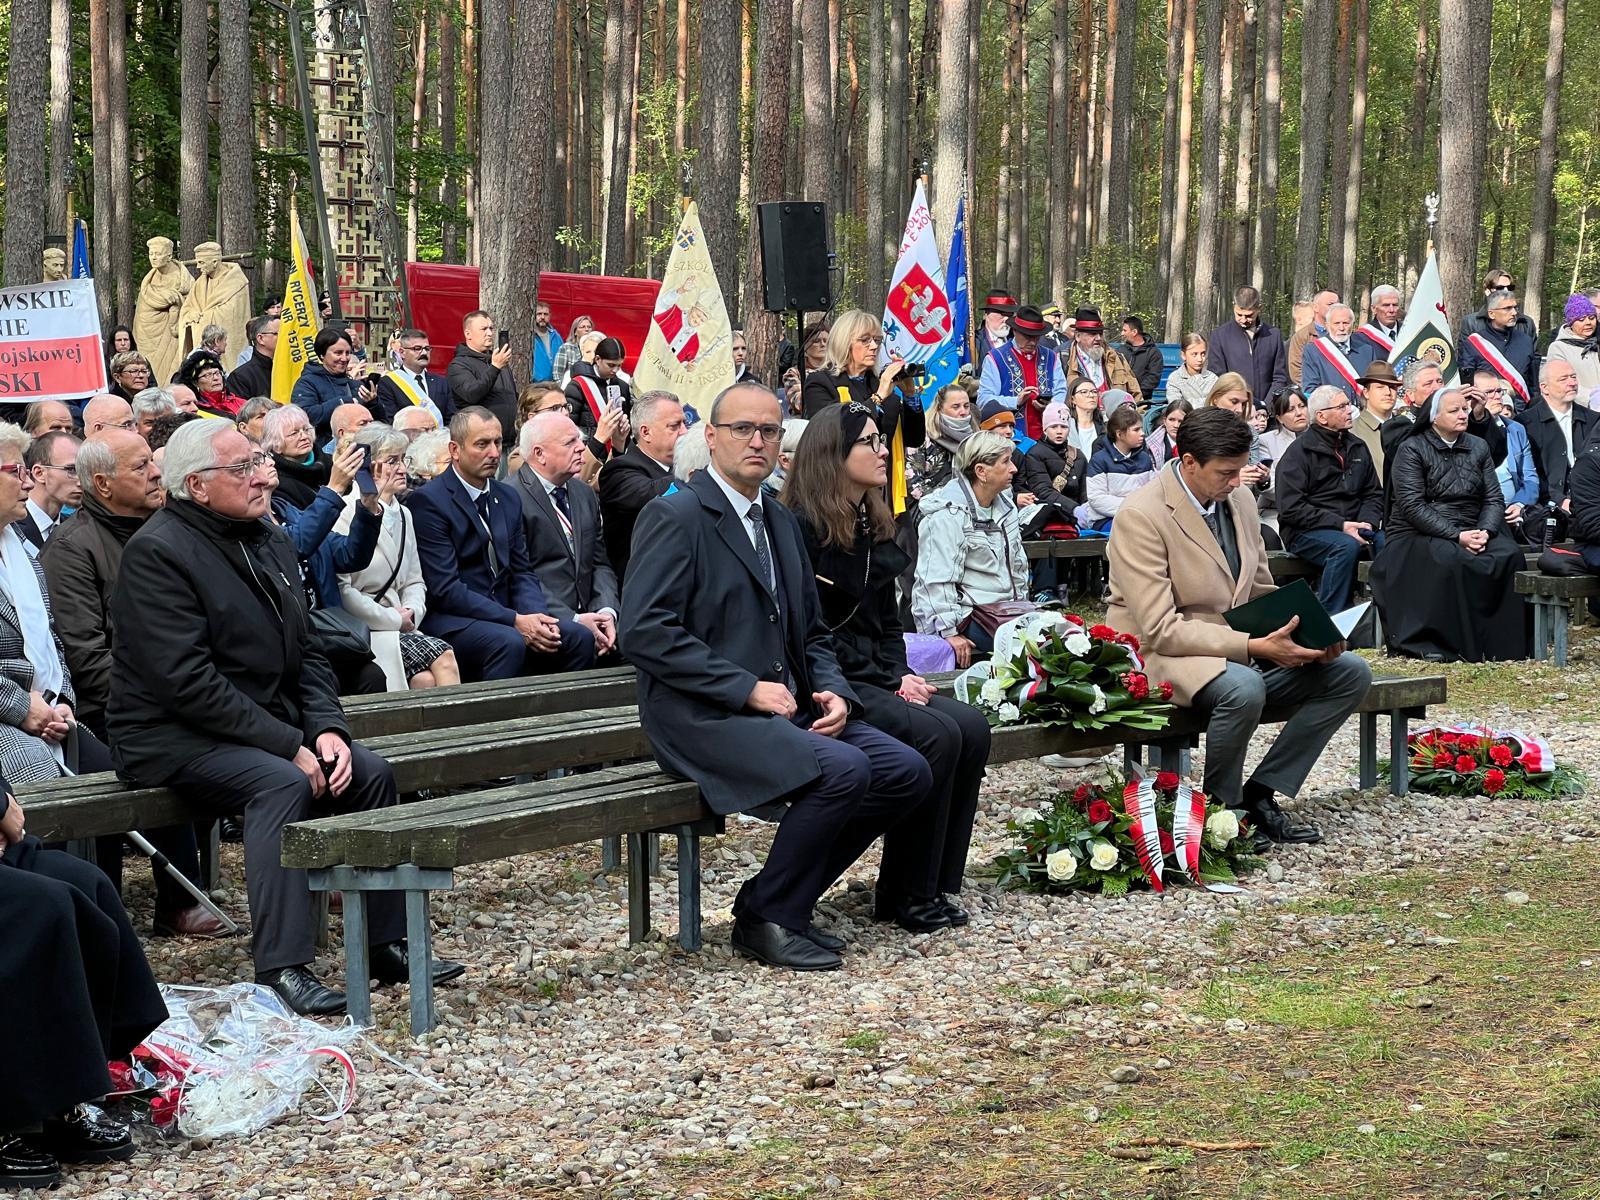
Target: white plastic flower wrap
{"x": 1060, "y": 866}
{"x": 1022, "y": 635}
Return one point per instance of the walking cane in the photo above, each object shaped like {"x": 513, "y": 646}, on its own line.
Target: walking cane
{"x": 160, "y": 862}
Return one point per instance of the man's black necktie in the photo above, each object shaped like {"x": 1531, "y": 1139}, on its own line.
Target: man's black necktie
{"x": 559, "y": 495}
{"x": 422, "y": 385}
{"x": 482, "y": 505}
{"x": 1222, "y": 530}
{"x": 763, "y": 550}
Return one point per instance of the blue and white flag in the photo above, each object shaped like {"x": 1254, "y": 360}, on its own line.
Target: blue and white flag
{"x": 80, "y": 250}
{"x": 955, "y": 275}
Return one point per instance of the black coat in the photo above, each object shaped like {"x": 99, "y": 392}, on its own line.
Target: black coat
{"x": 1146, "y": 364}
{"x": 1550, "y": 448}
{"x": 1441, "y": 490}
{"x": 252, "y": 378}
{"x": 822, "y": 389}
{"x": 1583, "y": 486}
{"x": 474, "y": 379}
{"x": 703, "y": 629}
{"x": 299, "y": 482}
{"x": 582, "y": 412}
{"x": 1263, "y": 360}
{"x": 576, "y": 575}
{"x": 1324, "y": 480}
{"x": 212, "y": 646}
{"x": 1043, "y": 464}
{"x": 391, "y": 399}
{"x": 627, "y": 483}
{"x": 859, "y": 607}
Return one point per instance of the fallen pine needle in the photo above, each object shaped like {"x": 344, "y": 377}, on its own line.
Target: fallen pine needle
{"x": 1171, "y": 1143}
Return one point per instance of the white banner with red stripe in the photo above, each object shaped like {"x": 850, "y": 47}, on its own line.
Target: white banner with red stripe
{"x": 1378, "y": 337}
{"x": 1502, "y": 366}
{"x": 1336, "y": 358}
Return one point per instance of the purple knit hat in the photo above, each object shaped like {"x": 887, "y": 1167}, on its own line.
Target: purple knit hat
{"x": 1578, "y": 307}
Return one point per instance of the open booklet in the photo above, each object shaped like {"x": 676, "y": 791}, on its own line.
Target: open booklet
{"x": 1318, "y": 629}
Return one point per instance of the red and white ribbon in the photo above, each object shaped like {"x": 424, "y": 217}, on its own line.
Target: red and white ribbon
{"x": 1501, "y": 364}
{"x": 1188, "y": 827}
{"x": 1336, "y": 358}
{"x": 1378, "y": 337}
{"x": 1139, "y": 801}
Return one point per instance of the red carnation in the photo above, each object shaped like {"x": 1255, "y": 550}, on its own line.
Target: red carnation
{"x": 1493, "y": 781}
{"x": 1166, "y": 843}
{"x": 1138, "y": 685}
{"x": 1127, "y": 639}
{"x": 1075, "y": 619}
{"x": 1448, "y": 739}
{"x": 1501, "y": 756}
{"x": 1425, "y": 740}
{"x": 1466, "y": 764}
{"x": 1104, "y": 632}
{"x": 1165, "y": 689}
{"x": 1099, "y": 811}
{"x": 1443, "y": 760}
{"x": 1167, "y": 781}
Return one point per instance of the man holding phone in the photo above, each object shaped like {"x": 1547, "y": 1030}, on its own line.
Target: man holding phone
{"x": 480, "y": 372}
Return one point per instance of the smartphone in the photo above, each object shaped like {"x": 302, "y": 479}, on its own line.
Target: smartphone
{"x": 613, "y": 396}
{"x": 505, "y": 338}
{"x": 364, "y": 476}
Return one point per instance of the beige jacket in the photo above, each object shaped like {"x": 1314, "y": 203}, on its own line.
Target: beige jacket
{"x": 1170, "y": 583}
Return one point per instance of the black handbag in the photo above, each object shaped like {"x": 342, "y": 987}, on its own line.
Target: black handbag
{"x": 342, "y": 637}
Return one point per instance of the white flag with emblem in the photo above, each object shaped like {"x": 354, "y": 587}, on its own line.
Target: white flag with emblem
{"x": 916, "y": 312}
{"x": 1425, "y": 333}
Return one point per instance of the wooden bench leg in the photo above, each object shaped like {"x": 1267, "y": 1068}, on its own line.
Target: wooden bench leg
{"x": 1369, "y": 750}
{"x": 610, "y": 853}
{"x": 1541, "y": 632}
{"x": 319, "y": 915}
{"x": 1133, "y": 760}
{"x": 1170, "y": 756}
{"x": 357, "y": 967}
{"x": 1560, "y": 617}
{"x": 419, "y": 954}
{"x": 688, "y": 887}
{"x": 638, "y": 888}
{"x": 1399, "y": 754}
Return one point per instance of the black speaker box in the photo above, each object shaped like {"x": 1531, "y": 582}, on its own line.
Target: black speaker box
{"x": 794, "y": 256}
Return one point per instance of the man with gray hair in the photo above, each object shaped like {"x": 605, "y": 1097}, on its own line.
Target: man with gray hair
{"x": 1559, "y": 430}
{"x": 1383, "y": 331}
{"x": 1333, "y": 358}
{"x": 219, "y": 690}
{"x": 1505, "y": 346}
{"x": 149, "y": 406}
{"x": 1314, "y": 328}
{"x": 639, "y": 474}
{"x": 1330, "y": 503}
{"x": 561, "y": 521}
{"x": 414, "y": 421}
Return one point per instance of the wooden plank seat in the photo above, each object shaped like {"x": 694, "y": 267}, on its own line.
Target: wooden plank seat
{"x": 417, "y": 848}
{"x": 1281, "y": 563}
{"x": 495, "y": 700}
{"x": 1554, "y": 599}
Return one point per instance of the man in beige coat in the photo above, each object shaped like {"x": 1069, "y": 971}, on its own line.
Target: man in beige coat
{"x": 1185, "y": 549}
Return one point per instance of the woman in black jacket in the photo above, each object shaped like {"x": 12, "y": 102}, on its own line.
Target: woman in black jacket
{"x": 835, "y": 488}
{"x": 1052, "y": 469}
{"x": 595, "y": 389}
{"x": 1445, "y": 580}
{"x": 851, "y": 374}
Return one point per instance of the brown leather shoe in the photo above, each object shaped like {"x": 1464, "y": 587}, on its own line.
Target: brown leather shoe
{"x": 189, "y": 922}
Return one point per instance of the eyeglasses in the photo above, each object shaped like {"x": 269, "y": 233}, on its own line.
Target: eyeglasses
{"x": 16, "y": 470}
{"x": 128, "y": 424}
{"x": 240, "y": 469}
{"x": 873, "y": 442}
{"x": 71, "y": 468}
{"x": 1337, "y": 407}
{"x": 743, "y": 431}
{"x": 870, "y": 339}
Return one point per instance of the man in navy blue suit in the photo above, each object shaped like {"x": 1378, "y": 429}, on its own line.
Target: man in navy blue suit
{"x": 411, "y": 385}
{"x": 483, "y": 597}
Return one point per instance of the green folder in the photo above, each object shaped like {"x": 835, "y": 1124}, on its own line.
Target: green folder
{"x": 1265, "y": 615}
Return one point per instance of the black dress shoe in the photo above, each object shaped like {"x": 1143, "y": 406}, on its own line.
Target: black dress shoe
{"x": 914, "y": 916}
{"x": 23, "y": 1165}
{"x": 1275, "y": 823}
{"x": 85, "y": 1133}
{"x": 957, "y": 914}
{"x": 828, "y": 941}
{"x": 391, "y": 963}
{"x": 780, "y": 947}
{"x": 302, "y": 991}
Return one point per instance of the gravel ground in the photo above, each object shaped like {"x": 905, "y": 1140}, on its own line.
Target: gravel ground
{"x": 571, "y": 1063}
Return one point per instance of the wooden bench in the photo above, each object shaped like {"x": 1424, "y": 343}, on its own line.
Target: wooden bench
{"x": 1553, "y": 598}
{"x": 417, "y": 848}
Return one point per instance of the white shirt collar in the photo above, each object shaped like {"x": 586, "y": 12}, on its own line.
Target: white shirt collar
{"x": 742, "y": 504}
{"x": 549, "y": 487}
{"x": 41, "y": 519}
{"x": 472, "y": 492}
{"x": 1205, "y": 510}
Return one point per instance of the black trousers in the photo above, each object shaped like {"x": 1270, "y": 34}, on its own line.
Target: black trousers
{"x": 869, "y": 783}
{"x": 928, "y": 855}
{"x": 77, "y": 989}
{"x": 272, "y": 792}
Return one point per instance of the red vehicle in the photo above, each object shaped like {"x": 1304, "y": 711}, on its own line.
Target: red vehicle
{"x": 442, "y": 295}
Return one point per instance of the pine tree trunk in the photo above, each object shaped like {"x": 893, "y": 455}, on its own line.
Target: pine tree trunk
{"x": 774, "y": 36}
{"x": 194, "y": 207}
{"x": 1358, "y": 138}
{"x": 877, "y": 91}
{"x": 1242, "y": 172}
{"x": 1264, "y": 272}
{"x": 957, "y": 23}
{"x": 1533, "y": 297}
{"x": 1114, "y": 37}
{"x": 449, "y": 190}
{"x": 1177, "y": 251}
{"x": 717, "y": 172}
{"x": 1059, "y": 141}
{"x": 469, "y": 93}
{"x": 920, "y": 118}
{"x": 1316, "y": 39}
{"x": 1118, "y": 164}
{"x": 1002, "y": 186}
{"x": 1169, "y": 152}
{"x": 817, "y": 163}
{"x": 419, "y": 99}
{"x": 27, "y": 98}
{"x": 120, "y": 232}
{"x": 895, "y": 147}
{"x": 1339, "y": 153}
{"x": 494, "y": 105}
{"x": 1093, "y": 166}
{"x": 973, "y": 90}
{"x": 236, "y": 138}
{"x": 61, "y": 181}
{"x": 528, "y": 214}
{"x": 1463, "y": 124}
{"x": 618, "y": 56}
{"x": 1207, "y": 227}
{"x": 1021, "y": 244}
{"x": 630, "y": 106}
{"x": 102, "y": 223}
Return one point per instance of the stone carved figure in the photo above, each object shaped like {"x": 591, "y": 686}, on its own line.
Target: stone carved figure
{"x": 155, "y": 313}
{"x": 55, "y": 264}
{"x": 220, "y": 296}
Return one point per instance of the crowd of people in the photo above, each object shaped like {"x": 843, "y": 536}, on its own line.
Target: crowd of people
{"x": 191, "y": 576}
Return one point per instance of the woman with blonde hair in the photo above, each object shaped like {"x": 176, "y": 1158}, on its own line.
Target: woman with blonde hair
{"x": 851, "y": 373}
{"x": 949, "y": 423}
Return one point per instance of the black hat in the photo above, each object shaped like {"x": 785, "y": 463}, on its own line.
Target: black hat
{"x": 1001, "y": 301}
{"x": 1028, "y": 319}
{"x": 1088, "y": 321}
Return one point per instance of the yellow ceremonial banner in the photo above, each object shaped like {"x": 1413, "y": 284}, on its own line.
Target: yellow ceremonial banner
{"x": 689, "y": 348}
{"x": 298, "y": 324}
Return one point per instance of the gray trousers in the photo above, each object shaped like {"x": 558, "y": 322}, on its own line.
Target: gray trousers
{"x": 272, "y": 793}
{"x": 1322, "y": 695}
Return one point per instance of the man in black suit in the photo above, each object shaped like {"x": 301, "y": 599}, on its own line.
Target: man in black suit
{"x": 739, "y": 689}
{"x": 1558, "y": 428}
{"x": 412, "y": 385}
{"x": 641, "y": 473}
{"x": 483, "y": 597}
{"x": 561, "y": 519}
